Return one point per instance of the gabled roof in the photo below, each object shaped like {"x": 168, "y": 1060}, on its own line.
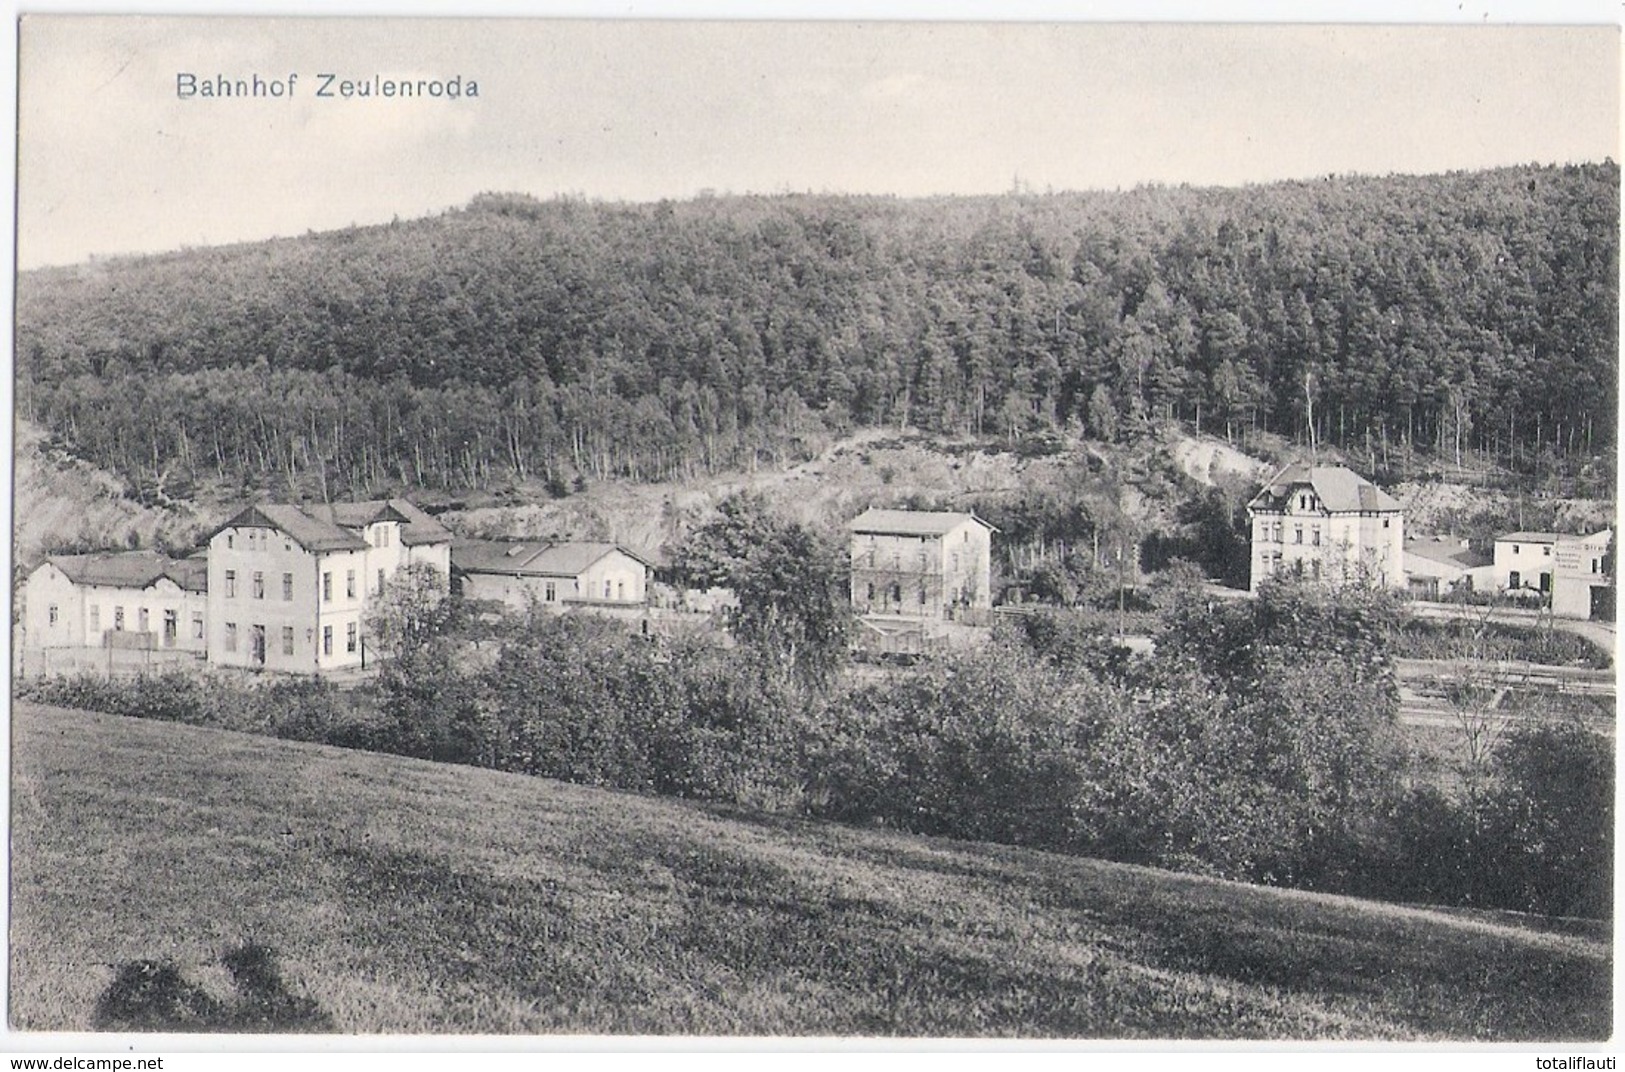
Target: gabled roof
{"x": 335, "y": 526}
{"x": 132, "y": 569}
{"x": 1340, "y": 490}
{"x": 420, "y": 527}
{"x": 911, "y": 522}
{"x": 533, "y": 557}
{"x": 1445, "y": 550}
{"x": 417, "y": 527}
{"x": 355, "y": 515}
{"x": 311, "y": 533}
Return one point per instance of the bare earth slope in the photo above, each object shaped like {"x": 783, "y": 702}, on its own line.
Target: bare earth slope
{"x": 62, "y": 501}
{"x": 404, "y": 897}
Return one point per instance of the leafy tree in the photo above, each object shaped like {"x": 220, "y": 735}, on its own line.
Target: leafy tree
{"x": 791, "y": 583}
{"x": 414, "y": 625}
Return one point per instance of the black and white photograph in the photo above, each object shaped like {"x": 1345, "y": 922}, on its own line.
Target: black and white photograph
{"x": 1040, "y": 532}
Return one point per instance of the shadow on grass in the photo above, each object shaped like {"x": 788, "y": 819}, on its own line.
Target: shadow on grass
{"x": 148, "y": 995}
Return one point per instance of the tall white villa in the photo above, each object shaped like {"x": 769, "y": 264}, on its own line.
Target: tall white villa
{"x": 1327, "y": 522}
{"x": 289, "y": 586}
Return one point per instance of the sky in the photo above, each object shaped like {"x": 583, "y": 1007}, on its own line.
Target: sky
{"x": 112, "y": 161}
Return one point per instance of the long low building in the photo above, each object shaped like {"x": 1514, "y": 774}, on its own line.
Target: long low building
{"x": 123, "y": 598}
{"x": 1438, "y": 566}
{"x": 553, "y": 575}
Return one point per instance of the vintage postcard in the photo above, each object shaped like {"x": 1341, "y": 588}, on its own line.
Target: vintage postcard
{"x": 1046, "y": 532}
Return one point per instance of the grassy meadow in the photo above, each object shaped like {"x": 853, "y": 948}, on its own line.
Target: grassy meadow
{"x": 338, "y": 890}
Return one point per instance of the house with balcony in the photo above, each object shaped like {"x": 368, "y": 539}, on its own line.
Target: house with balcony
{"x": 920, "y": 564}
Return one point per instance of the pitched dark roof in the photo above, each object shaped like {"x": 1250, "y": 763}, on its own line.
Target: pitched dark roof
{"x": 420, "y": 528}
{"x": 311, "y": 533}
{"x": 355, "y": 515}
{"x": 533, "y": 557}
{"x": 911, "y": 522}
{"x": 132, "y": 569}
{"x": 334, "y": 526}
{"x": 1339, "y": 489}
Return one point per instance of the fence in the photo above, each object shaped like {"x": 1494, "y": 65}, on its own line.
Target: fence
{"x": 109, "y": 662}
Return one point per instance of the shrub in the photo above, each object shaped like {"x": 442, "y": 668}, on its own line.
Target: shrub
{"x": 1552, "y": 816}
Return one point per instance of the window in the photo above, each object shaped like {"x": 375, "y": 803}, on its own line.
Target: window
{"x": 1545, "y": 582}
{"x": 259, "y": 585}
{"x": 1385, "y": 522}
{"x": 95, "y": 618}
{"x": 922, "y": 595}
{"x": 327, "y": 640}
{"x": 118, "y": 619}
{"x": 197, "y": 625}
{"x": 1314, "y": 536}
{"x": 231, "y": 584}
{"x": 1297, "y": 533}
{"x": 287, "y": 640}
{"x": 287, "y": 588}
{"x": 1516, "y": 550}
{"x": 1596, "y": 565}
{"x": 51, "y": 613}
{"x": 231, "y": 636}
{"x": 871, "y": 591}
{"x": 606, "y": 589}
{"x": 551, "y": 593}
{"x": 1514, "y": 579}
{"x": 1315, "y": 567}
{"x": 349, "y": 584}
{"x": 380, "y": 580}
{"x": 172, "y": 627}
{"x": 349, "y": 638}
{"x": 327, "y": 588}
{"x": 231, "y": 541}
{"x": 1546, "y": 551}
{"x": 142, "y": 621}
{"x": 620, "y": 589}
{"x": 256, "y": 643}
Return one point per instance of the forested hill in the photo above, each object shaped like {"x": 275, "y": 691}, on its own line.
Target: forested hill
{"x": 517, "y": 337}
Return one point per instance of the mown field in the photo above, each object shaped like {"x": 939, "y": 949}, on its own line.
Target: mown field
{"x": 299, "y": 887}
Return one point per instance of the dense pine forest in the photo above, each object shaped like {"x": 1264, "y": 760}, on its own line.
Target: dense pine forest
{"x": 566, "y": 339}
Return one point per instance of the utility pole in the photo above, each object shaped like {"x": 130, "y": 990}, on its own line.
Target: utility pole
{"x": 1120, "y": 593}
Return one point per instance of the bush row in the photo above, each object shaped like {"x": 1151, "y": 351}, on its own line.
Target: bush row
{"x": 1261, "y": 744}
